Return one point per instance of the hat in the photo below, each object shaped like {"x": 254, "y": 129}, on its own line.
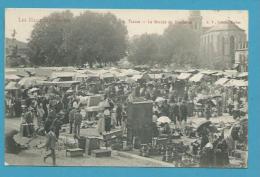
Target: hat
{"x": 209, "y": 145}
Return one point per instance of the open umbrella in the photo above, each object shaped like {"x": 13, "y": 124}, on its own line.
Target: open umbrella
{"x": 203, "y": 124}
{"x": 212, "y": 128}
{"x": 164, "y": 119}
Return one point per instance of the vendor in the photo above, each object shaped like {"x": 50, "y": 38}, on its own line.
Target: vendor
{"x": 207, "y": 156}
{"x": 107, "y": 116}
{"x": 27, "y": 122}
{"x": 77, "y": 123}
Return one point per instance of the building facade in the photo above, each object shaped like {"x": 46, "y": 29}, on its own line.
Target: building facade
{"x": 218, "y": 44}
{"x": 241, "y": 57}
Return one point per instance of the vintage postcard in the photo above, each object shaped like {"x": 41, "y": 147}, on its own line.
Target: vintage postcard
{"x": 126, "y": 87}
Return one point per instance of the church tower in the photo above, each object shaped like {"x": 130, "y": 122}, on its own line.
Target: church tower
{"x": 195, "y": 20}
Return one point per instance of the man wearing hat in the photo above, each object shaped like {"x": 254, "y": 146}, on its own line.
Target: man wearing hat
{"x": 28, "y": 118}
{"x": 50, "y": 145}
{"x": 77, "y": 122}
{"x": 101, "y": 123}
{"x": 71, "y": 118}
{"x": 56, "y": 124}
{"x": 107, "y": 115}
{"x": 52, "y": 113}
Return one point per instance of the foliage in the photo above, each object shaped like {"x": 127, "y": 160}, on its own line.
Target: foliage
{"x": 178, "y": 44}
{"x": 61, "y": 39}
{"x": 145, "y": 49}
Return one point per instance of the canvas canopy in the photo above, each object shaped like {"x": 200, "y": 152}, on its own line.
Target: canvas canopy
{"x": 10, "y": 71}
{"x": 155, "y": 76}
{"x": 61, "y": 83}
{"x": 196, "y": 77}
{"x": 236, "y": 83}
{"x": 11, "y": 86}
{"x": 12, "y": 77}
{"x": 208, "y": 72}
{"x": 30, "y": 81}
{"x": 62, "y": 74}
{"x": 221, "y": 81}
{"x": 184, "y": 76}
{"x": 243, "y": 74}
{"x": 140, "y": 76}
{"x": 106, "y": 75}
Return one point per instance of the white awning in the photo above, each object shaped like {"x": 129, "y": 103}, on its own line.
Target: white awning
{"x": 12, "y": 77}
{"x": 221, "y": 81}
{"x": 137, "y": 77}
{"x": 79, "y": 75}
{"x": 243, "y": 74}
{"x": 11, "y": 86}
{"x": 106, "y": 75}
{"x": 208, "y": 72}
{"x": 236, "y": 83}
{"x": 184, "y": 76}
{"x": 30, "y": 81}
{"x": 62, "y": 74}
{"x": 155, "y": 76}
{"x": 196, "y": 77}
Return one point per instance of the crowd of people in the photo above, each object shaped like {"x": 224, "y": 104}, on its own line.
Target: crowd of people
{"x": 49, "y": 107}
{"x": 176, "y": 99}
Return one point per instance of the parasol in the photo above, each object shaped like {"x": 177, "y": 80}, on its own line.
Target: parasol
{"x": 203, "y": 124}
{"x": 212, "y": 128}
{"x": 164, "y": 119}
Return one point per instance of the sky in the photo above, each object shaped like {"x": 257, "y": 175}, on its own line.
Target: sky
{"x": 137, "y": 21}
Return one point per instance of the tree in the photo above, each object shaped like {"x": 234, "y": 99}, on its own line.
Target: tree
{"x": 97, "y": 38}
{"x": 46, "y": 44}
{"x": 180, "y": 45}
{"x": 145, "y": 49}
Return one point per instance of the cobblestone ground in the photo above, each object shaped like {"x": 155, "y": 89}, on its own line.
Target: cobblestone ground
{"x": 34, "y": 156}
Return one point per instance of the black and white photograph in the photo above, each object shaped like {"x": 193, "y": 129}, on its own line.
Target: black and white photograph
{"x": 126, "y": 88}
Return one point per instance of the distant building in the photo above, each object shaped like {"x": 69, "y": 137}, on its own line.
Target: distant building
{"x": 241, "y": 57}
{"x": 22, "y": 49}
{"x": 218, "y": 43}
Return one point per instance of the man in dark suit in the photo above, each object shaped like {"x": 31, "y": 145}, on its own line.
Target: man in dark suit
{"x": 77, "y": 122}
{"x": 50, "y": 145}
{"x": 183, "y": 112}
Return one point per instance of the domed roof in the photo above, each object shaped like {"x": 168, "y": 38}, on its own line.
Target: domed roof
{"x": 225, "y": 26}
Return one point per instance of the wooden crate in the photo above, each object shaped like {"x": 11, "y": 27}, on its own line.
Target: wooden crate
{"x": 76, "y": 152}
{"x": 92, "y": 143}
{"x": 101, "y": 153}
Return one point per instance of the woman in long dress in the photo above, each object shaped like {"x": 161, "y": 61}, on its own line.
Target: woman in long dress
{"x": 107, "y": 116}
{"x": 101, "y": 123}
